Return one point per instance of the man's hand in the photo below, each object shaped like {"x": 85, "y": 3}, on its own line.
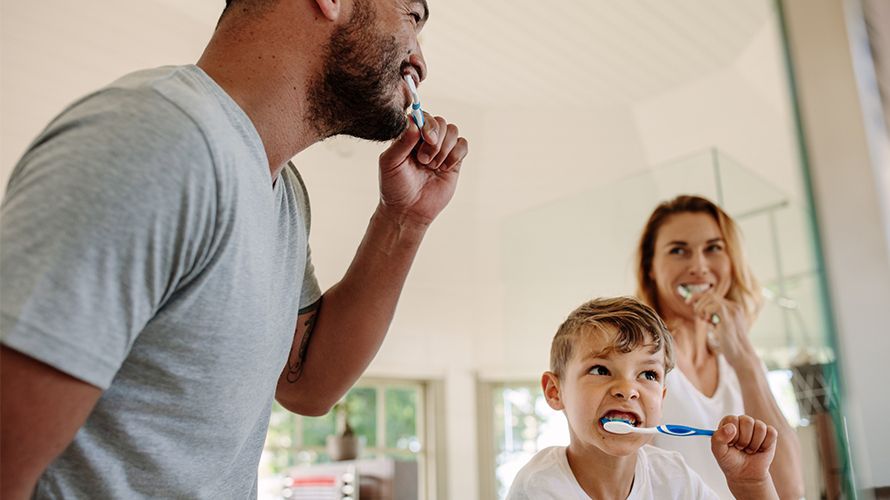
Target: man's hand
{"x": 744, "y": 448}
{"x": 418, "y": 177}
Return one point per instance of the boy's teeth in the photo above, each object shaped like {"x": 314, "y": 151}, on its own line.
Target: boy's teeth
{"x": 620, "y": 417}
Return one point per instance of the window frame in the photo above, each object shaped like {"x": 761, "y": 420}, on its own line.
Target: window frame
{"x": 428, "y": 429}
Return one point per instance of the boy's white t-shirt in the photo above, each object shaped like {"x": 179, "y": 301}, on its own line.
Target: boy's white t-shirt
{"x": 660, "y": 474}
{"x": 685, "y": 405}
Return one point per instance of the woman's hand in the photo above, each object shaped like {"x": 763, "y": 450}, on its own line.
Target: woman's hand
{"x": 730, "y": 325}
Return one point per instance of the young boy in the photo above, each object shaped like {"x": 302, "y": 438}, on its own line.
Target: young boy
{"x": 608, "y": 361}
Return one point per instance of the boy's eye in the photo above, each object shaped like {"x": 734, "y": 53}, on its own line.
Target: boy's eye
{"x": 599, "y": 370}
{"x": 651, "y": 375}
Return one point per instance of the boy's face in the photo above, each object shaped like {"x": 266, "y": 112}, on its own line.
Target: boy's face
{"x": 615, "y": 385}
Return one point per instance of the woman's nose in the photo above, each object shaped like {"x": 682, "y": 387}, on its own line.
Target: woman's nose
{"x": 699, "y": 264}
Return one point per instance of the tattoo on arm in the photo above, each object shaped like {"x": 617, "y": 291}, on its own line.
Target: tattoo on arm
{"x": 297, "y": 358}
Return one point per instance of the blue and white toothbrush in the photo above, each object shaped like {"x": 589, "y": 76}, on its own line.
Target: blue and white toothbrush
{"x": 416, "y": 112}
{"x": 621, "y": 427}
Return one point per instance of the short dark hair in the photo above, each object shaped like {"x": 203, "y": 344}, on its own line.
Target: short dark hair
{"x": 633, "y": 321}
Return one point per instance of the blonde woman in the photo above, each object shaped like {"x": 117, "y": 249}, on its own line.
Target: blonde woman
{"x": 691, "y": 270}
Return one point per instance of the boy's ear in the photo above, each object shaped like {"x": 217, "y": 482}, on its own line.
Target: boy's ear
{"x": 330, "y": 8}
{"x": 550, "y": 385}
{"x": 664, "y": 391}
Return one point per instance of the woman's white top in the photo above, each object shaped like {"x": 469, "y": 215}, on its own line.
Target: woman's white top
{"x": 685, "y": 405}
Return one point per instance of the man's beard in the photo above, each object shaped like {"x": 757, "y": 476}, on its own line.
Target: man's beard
{"x": 354, "y": 94}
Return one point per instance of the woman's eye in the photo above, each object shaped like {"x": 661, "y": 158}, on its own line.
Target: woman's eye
{"x": 599, "y": 370}
{"x": 715, "y": 248}
{"x": 651, "y": 375}
{"x": 677, "y": 251}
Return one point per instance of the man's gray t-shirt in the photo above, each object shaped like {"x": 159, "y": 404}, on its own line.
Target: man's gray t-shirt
{"x": 144, "y": 249}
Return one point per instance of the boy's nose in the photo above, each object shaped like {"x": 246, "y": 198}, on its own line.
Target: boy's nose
{"x": 625, "y": 390}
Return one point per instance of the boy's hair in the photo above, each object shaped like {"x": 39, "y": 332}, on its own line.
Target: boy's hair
{"x": 633, "y": 321}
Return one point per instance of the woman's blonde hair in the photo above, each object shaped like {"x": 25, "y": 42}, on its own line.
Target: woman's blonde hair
{"x": 743, "y": 290}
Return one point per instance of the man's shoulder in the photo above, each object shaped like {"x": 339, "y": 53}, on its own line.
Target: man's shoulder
{"x": 166, "y": 98}
{"x": 183, "y": 93}
{"x": 168, "y": 116}
{"x": 131, "y": 108}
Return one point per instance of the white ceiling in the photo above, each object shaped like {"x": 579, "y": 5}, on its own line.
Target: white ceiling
{"x": 582, "y": 53}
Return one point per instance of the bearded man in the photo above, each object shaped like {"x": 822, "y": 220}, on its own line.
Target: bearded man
{"x": 157, "y": 285}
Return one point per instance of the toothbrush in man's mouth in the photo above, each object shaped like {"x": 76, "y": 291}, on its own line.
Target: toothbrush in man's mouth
{"x": 416, "y": 112}
{"x": 686, "y": 292}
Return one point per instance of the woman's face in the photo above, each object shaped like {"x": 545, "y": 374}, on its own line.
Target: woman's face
{"x": 689, "y": 257}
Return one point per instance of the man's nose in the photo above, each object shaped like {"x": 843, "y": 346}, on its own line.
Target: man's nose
{"x": 416, "y": 59}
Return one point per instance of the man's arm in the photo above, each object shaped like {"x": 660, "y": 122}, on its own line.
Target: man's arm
{"x": 335, "y": 342}
{"x": 41, "y": 410}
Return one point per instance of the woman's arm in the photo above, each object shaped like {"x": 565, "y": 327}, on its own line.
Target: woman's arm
{"x": 736, "y": 347}
{"x": 786, "y": 469}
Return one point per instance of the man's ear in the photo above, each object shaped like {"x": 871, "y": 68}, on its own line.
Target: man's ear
{"x": 550, "y": 385}
{"x": 330, "y": 8}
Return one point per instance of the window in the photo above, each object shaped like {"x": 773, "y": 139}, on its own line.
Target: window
{"x": 519, "y": 424}
{"x": 389, "y": 415}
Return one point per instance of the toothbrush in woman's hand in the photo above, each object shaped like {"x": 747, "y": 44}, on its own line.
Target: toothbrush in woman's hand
{"x": 686, "y": 293}
{"x": 622, "y": 427}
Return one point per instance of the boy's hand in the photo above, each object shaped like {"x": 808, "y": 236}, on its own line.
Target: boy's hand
{"x": 744, "y": 449}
